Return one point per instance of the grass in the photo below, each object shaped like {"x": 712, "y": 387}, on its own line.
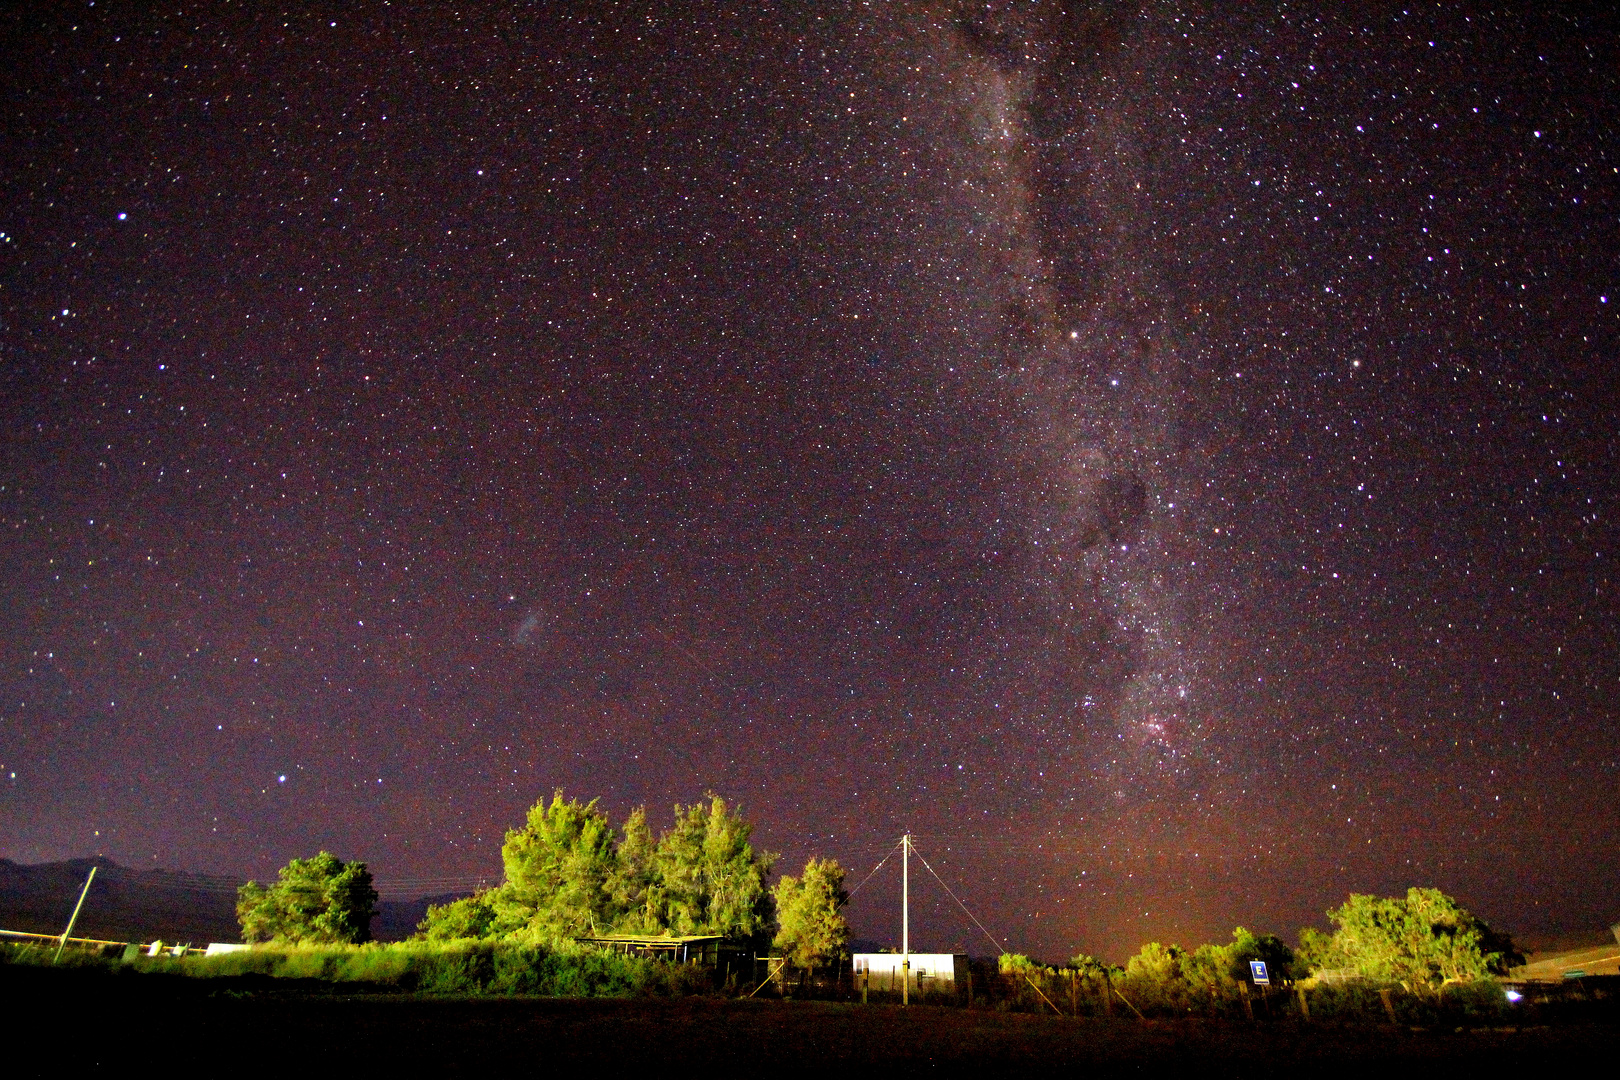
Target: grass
{"x": 460, "y": 967}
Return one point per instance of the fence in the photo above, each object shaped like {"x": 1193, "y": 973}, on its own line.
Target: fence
{"x": 99, "y": 947}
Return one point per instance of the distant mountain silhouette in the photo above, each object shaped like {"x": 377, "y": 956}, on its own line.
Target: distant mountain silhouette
{"x": 145, "y": 905}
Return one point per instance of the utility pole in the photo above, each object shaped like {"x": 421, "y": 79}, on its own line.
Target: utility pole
{"x": 75, "y": 917}
{"x": 905, "y": 919}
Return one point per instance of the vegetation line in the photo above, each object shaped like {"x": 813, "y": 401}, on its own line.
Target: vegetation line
{"x": 584, "y": 909}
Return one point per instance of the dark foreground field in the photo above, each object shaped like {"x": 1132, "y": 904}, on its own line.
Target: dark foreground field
{"x": 91, "y": 1022}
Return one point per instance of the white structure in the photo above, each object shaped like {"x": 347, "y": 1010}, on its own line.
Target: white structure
{"x": 215, "y": 948}
{"x": 929, "y": 971}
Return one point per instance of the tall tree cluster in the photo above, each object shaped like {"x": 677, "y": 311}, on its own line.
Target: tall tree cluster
{"x": 570, "y": 873}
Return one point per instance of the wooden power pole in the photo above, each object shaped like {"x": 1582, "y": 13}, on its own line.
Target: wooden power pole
{"x": 905, "y": 919}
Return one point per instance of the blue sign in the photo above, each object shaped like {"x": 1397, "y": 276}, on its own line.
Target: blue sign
{"x": 1257, "y": 968}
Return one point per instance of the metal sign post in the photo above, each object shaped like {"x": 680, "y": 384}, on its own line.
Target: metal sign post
{"x": 1262, "y": 979}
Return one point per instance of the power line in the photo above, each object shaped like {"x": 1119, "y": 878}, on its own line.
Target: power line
{"x": 964, "y": 907}
{"x": 998, "y": 947}
{"x": 875, "y": 869}
{"x": 993, "y": 941}
{"x": 221, "y": 885}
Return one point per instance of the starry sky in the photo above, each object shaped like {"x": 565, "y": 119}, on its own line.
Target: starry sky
{"x": 1161, "y": 454}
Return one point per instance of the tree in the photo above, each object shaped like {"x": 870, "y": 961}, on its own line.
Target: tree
{"x": 469, "y": 917}
{"x": 709, "y": 880}
{"x": 316, "y": 900}
{"x": 1170, "y": 979}
{"x": 1217, "y": 976}
{"x": 558, "y": 866}
{"x": 1154, "y": 978}
{"x": 1017, "y": 965}
{"x": 633, "y": 886}
{"x": 1095, "y": 978}
{"x": 1424, "y": 941}
{"x": 569, "y": 874}
{"x": 1246, "y": 945}
{"x": 1316, "y": 950}
{"x": 812, "y": 930}
{"x": 1097, "y": 974}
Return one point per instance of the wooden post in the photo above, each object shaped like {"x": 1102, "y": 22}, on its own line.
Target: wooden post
{"x": 1133, "y": 1008}
{"x": 1389, "y": 1005}
{"x": 1304, "y": 1006}
{"x": 75, "y": 918}
{"x": 1248, "y": 1004}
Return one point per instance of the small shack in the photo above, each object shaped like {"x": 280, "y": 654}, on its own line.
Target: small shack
{"x": 701, "y": 949}
{"x": 936, "y": 972}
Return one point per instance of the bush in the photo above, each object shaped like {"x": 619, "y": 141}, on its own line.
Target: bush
{"x": 1154, "y": 982}
{"x": 466, "y": 966}
{"x": 469, "y": 917}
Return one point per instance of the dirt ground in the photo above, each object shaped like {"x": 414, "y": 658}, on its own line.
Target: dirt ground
{"x": 107, "y": 1023}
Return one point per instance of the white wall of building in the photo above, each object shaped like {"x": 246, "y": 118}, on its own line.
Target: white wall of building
{"x": 938, "y": 971}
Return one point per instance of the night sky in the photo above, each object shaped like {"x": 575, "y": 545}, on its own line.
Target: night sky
{"x": 1162, "y": 454}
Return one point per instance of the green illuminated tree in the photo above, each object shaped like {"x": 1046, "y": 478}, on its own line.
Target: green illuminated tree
{"x": 1424, "y": 941}
{"x": 569, "y": 874}
{"x": 1017, "y": 965}
{"x": 1154, "y": 978}
{"x": 812, "y": 931}
{"x": 558, "y": 866}
{"x": 708, "y": 878}
{"x": 1093, "y": 980}
{"x": 633, "y": 887}
{"x": 319, "y": 900}
{"x": 1216, "y": 977}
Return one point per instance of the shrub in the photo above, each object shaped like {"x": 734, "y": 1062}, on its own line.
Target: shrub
{"x": 464, "y": 966}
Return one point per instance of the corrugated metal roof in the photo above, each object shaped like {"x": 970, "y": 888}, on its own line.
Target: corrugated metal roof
{"x": 650, "y": 939}
{"x": 1602, "y": 960}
